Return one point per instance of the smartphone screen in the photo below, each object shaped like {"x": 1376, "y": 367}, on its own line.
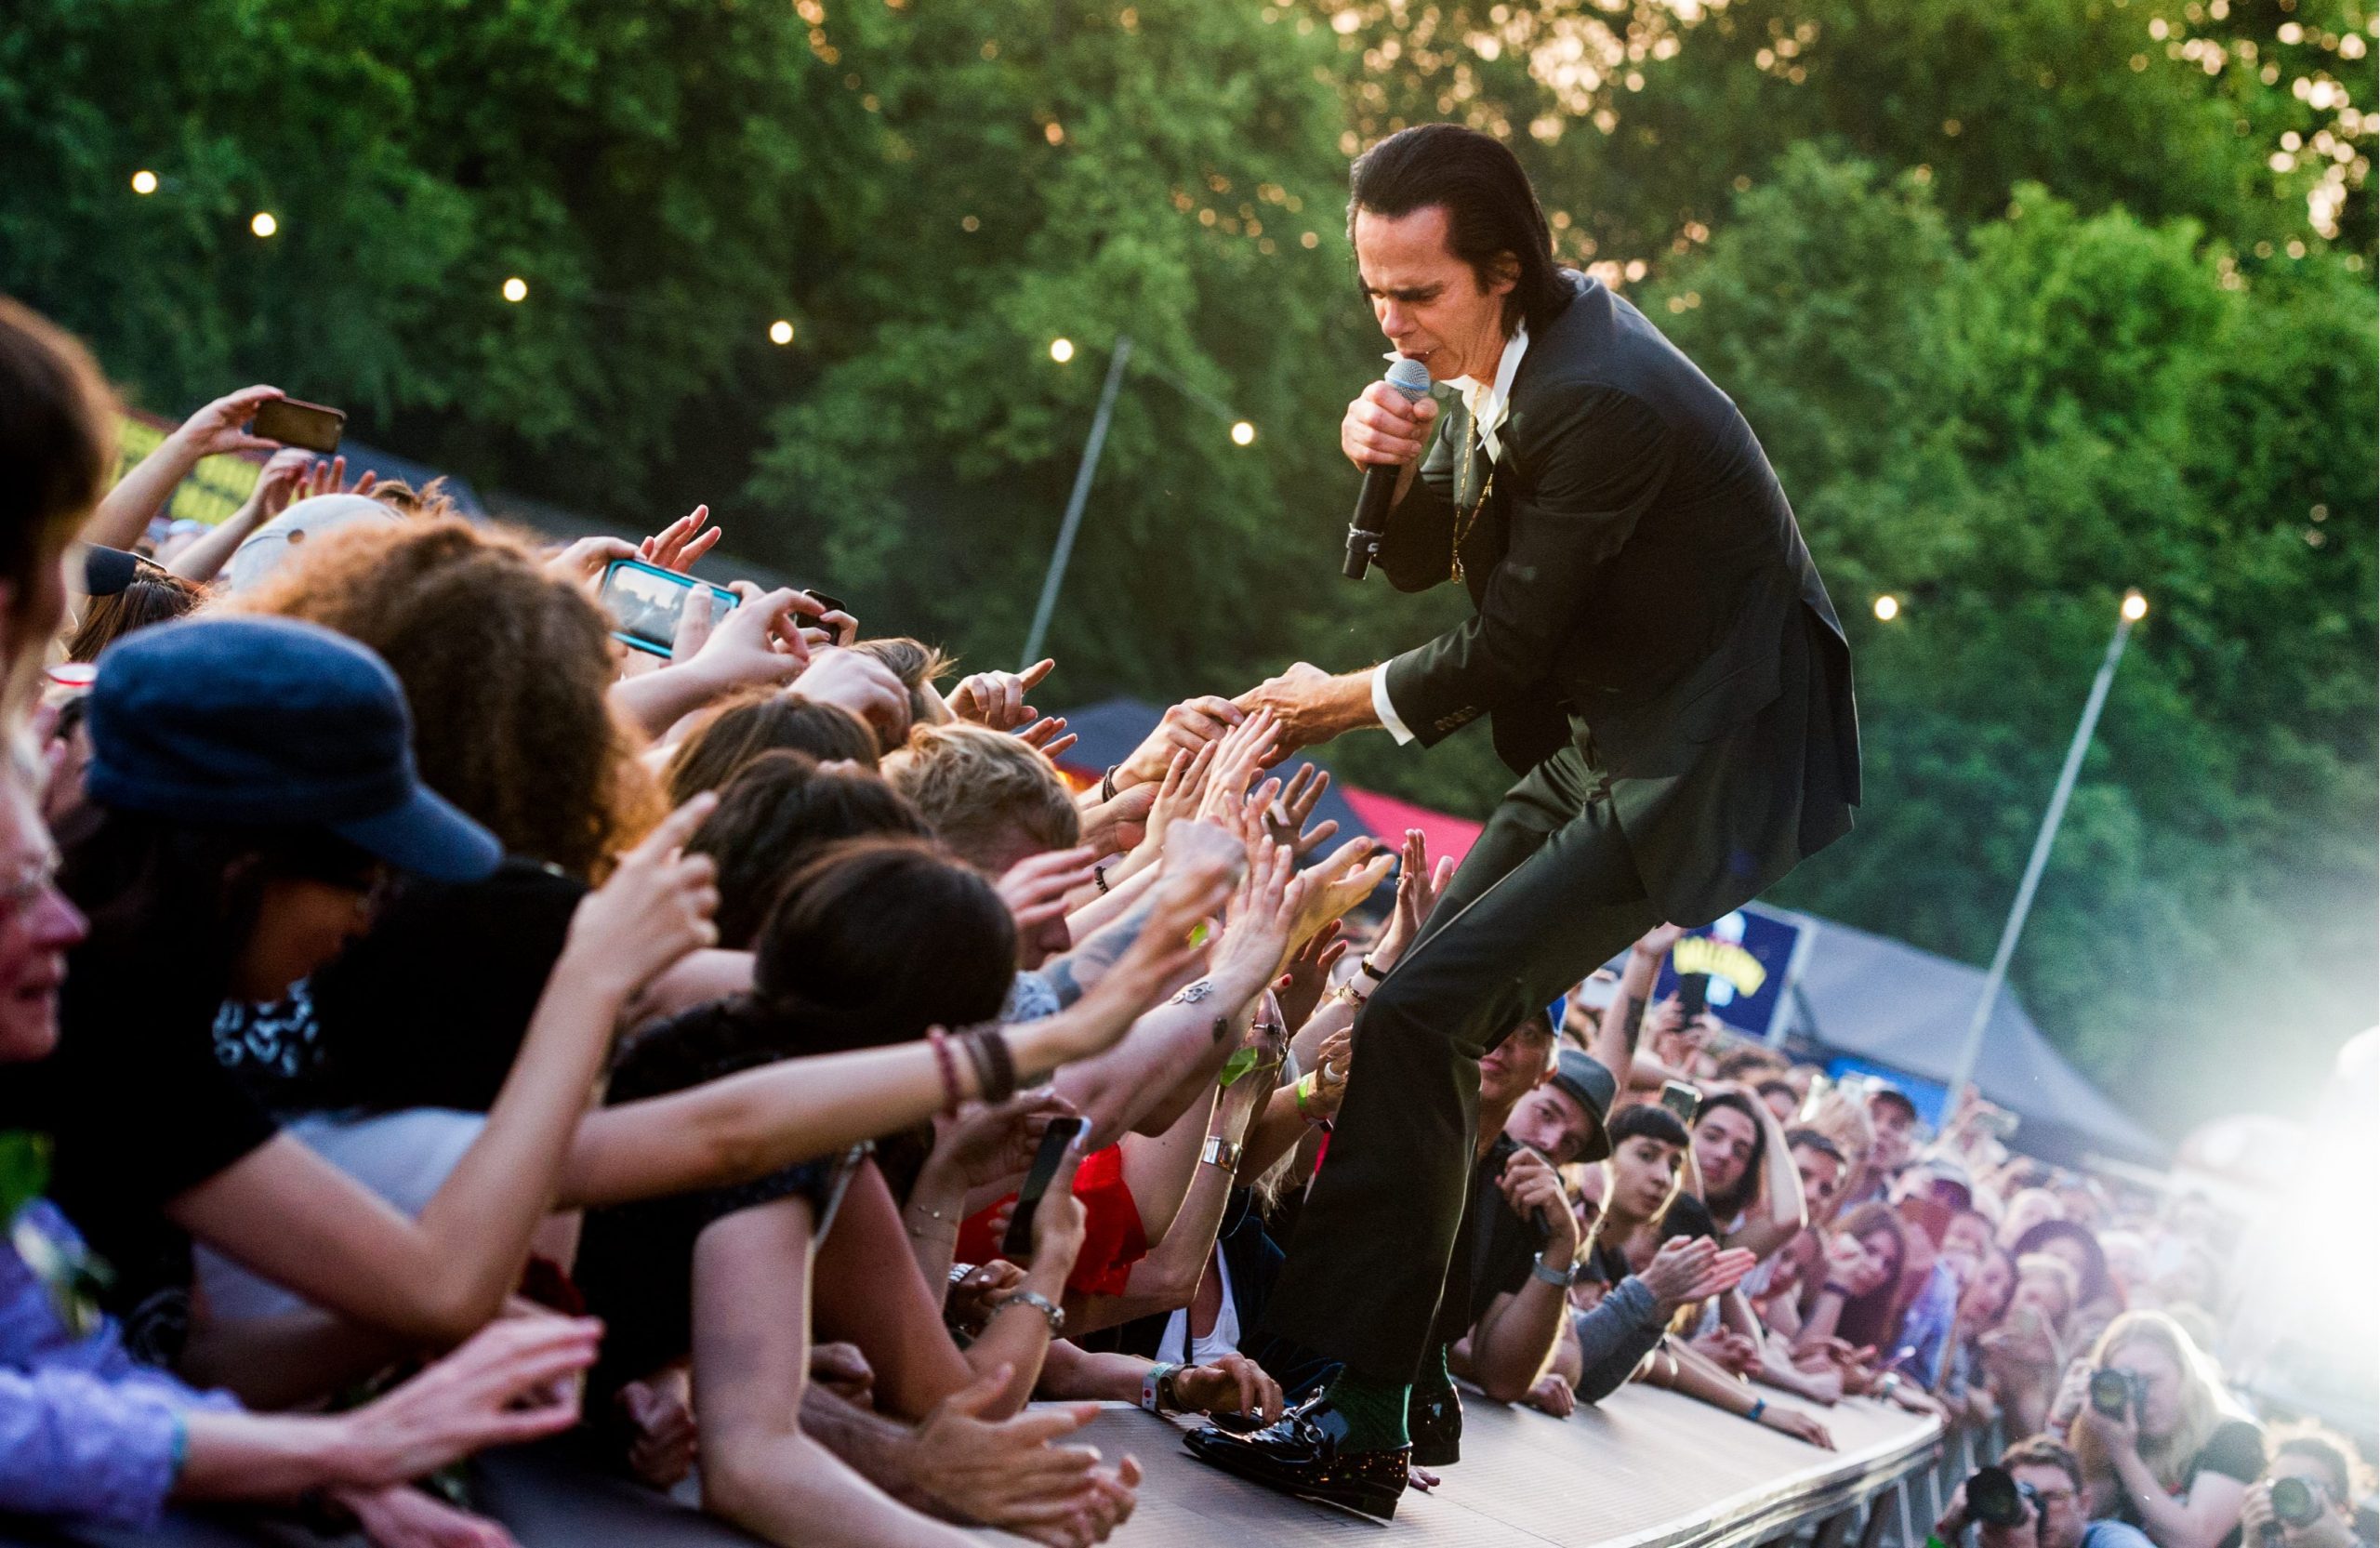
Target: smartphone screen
{"x": 1057, "y": 1140}
{"x": 313, "y": 426}
{"x": 1683, "y": 1099}
{"x": 645, "y": 602}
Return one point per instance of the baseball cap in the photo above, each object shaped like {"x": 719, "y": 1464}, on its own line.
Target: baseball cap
{"x": 1585, "y": 1080}
{"x": 286, "y": 534}
{"x": 270, "y": 723}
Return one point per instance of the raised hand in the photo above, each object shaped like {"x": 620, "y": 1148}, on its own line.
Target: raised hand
{"x": 217, "y": 428}
{"x": 862, "y": 684}
{"x": 677, "y": 546}
{"x": 1341, "y": 881}
{"x": 1048, "y": 735}
{"x": 1118, "y": 826}
{"x": 1035, "y": 888}
{"x": 986, "y": 1144}
{"x": 1185, "y": 727}
{"x": 1244, "y": 749}
{"x": 996, "y": 699}
{"x": 1284, "y": 817}
{"x": 1419, "y": 884}
{"x": 1531, "y": 1186}
{"x": 1678, "y": 1267}
{"x": 1383, "y": 427}
{"x": 328, "y": 476}
{"x": 655, "y": 907}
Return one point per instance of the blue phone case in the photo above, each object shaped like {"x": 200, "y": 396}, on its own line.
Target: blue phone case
{"x": 656, "y": 596}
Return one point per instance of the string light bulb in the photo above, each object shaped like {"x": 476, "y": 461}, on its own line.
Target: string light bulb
{"x": 2135, "y": 606}
{"x": 1887, "y": 608}
{"x": 262, "y": 223}
{"x": 516, "y": 289}
{"x": 1243, "y": 433}
{"x": 1062, "y": 349}
{"x": 144, "y": 183}
{"x": 781, "y": 332}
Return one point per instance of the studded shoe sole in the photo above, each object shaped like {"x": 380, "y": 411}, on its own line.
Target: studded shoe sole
{"x": 1370, "y": 1483}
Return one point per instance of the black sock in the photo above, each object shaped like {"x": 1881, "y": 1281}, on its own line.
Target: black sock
{"x": 1374, "y": 1410}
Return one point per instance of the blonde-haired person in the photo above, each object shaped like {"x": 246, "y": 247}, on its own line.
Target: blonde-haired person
{"x": 2176, "y": 1462}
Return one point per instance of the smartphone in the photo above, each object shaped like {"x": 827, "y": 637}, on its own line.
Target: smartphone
{"x": 1056, "y": 1140}
{"x": 1693, "y": 994}
{"x": 1683, "y": 1099}
{"x": 1999, "y": 1123}
{"x": 645, "y": 601}
{"x": 313, "y": 426}
{"x": 827, "y": 603}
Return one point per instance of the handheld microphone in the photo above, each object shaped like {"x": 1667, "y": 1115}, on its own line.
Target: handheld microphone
{"x": 1412, "y": 379}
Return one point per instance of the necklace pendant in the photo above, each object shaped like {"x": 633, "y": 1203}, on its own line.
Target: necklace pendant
{"x": 1458, "y": 569}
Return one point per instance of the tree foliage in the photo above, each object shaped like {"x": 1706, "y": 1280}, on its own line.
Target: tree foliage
{"x": 2028, "y": 301}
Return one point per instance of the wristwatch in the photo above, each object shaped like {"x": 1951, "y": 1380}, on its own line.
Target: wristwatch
{"x": 1157, "y": 1387}
{"x": 1221, "y": 1152}
{"x": 1050, "y": 1311}
{"x": 1539, "y": 1269}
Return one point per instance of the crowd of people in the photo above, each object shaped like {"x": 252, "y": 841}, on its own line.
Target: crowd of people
{"x": 437, "y": 1024}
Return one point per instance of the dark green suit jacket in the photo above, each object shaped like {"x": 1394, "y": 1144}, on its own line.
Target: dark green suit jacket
{"x": 1642, "y": 591}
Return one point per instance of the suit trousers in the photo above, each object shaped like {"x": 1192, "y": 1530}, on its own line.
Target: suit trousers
{"x": 1549, "y": 894}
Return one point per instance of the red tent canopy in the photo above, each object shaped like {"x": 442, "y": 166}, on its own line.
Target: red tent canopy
{"x": 1388, "y": 817}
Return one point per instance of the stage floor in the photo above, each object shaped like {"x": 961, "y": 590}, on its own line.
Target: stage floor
{"x": 1648, "y": 1470}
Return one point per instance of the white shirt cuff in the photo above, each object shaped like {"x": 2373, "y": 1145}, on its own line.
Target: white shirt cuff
{"x": 1386, "y": 710}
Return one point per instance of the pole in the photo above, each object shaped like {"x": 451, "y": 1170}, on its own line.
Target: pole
{"x": 1972, "y": 1049}
{"x": 1073, "y": 523}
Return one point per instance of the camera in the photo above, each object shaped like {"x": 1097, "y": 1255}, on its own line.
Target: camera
{"x": 2295, "y": 1502}
{"x": 1996, "y": 1499}
{"x": 2115, "y": 1392}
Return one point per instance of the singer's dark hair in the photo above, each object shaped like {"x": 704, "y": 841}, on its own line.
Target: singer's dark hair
{"x": 1491, "y": 211}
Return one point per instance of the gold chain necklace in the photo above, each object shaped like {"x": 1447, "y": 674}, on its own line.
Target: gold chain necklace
{"x": 1464, "y": 523}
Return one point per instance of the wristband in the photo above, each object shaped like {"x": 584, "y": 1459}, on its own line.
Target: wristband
{"x": 1157, "y": 1384}
{"x": 1759, "y": 1407}
{"x": 1221, "y": 1152}
{"x": 1833, "y": 1289}
{"x": 988, "y": 1046}
{"x": 1303, "y": 1092}
{"x": 1364, "y": 965}
{"x": 1099, "y": 878}
{"x": 1107, "y": 782}
{"x": 1545, "y": 1273}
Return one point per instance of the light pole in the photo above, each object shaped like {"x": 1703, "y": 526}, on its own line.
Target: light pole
{"x": 2136, "y": 607}
{"x": 1062, "y": 350}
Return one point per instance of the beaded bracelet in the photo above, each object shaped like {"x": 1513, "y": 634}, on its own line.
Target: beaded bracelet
{"x": 940, "y": 1042}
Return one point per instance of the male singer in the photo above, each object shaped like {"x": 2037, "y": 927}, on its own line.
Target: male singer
{"x": 1662, "y": 668}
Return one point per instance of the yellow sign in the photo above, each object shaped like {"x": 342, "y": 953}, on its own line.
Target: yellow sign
{"x": 216, "y": 487}
{"x": 1720, "y": 960}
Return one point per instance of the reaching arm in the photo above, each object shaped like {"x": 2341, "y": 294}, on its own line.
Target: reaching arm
{"x": 751, "y": 1364}
{"x": 1516, "y": 1336}
{"x": 125, "y": 512}
{"x": 1615, "y": 1338}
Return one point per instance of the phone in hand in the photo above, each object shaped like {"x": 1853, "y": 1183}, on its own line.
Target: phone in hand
{"x": 1683, "y": 1099}
{"x": 1056, "y": 1140}
{"x": 645, "y": 602}
{"x": 1693, "y": 996}
{"x": 293, "y": 422}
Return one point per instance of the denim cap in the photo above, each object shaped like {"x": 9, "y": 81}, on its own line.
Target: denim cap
{"x": 270, "y": 723}
{"x": 1587, "y": 1081}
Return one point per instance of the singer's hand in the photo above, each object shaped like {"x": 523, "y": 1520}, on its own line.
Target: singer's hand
{"x": 1311, "y": 705}
{"x": 1383, "y": 427}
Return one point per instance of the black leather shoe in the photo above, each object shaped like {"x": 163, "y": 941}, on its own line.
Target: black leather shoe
{"x": 1307, "y": 1454}
{"x": 1434, "y": 1418}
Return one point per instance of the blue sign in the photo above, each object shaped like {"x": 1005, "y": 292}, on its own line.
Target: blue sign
{"x": 1748, "y": 957}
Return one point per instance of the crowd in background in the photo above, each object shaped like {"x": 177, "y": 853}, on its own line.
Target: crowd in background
{"x": 436, "y": 1025}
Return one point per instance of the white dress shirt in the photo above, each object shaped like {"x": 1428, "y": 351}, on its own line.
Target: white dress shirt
{"x": 1488, "y": 404}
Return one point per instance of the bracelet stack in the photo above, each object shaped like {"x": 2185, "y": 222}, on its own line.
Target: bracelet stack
{"x": 939, "y": 1041}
